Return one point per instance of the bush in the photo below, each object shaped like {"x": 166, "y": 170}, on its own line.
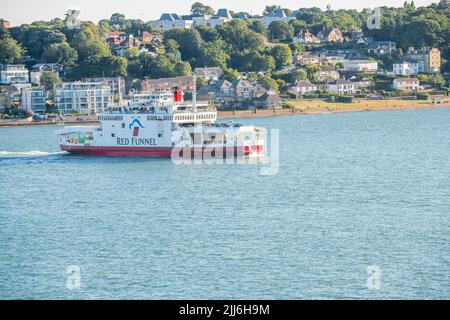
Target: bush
{"x": 344, "y": 99}
{"x": 310, "y": 96}
{"x": 422, "y": 96}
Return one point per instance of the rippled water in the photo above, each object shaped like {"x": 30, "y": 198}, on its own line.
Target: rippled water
{"x": 354, "y": 190}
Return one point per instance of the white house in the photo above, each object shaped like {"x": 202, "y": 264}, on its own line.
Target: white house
{"x": 303, "y": 87}
{"x": 328, "y": 73}
{"x": 306, "y": 37}
{"x": 83, "y": 97}
{"x": 34, "y": 100}
{"x": 340, "y": 86}
{"x": 406, "y": 67}
{"x": 361, "y": 65}
{"x": 169, "y": 21}
{"x": 38, "y": 69}
{"x": 211, "y": 73}
{"x": 14, "y": 74}
{"x": 278, "y": 15}
{"x": 407, "y": 84}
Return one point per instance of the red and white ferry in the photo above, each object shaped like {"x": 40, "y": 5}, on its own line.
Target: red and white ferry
{"x": 164, "y": 126}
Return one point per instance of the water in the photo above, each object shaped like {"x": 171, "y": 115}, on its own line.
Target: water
{"x": 354, "y": 190}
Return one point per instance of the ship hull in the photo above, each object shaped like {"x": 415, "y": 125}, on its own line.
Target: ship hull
{"x": 162, "y": 152}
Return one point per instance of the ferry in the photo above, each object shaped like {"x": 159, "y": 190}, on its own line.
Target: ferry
{"x": 163, "y": 126}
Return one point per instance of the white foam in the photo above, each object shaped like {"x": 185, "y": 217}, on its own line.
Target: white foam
{"x": 24, "y": 154}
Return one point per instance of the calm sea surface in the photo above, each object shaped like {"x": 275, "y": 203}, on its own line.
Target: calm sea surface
{"x": 353, "y": 190}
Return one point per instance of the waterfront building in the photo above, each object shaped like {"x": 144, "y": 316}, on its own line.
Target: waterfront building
{"x": 331, "y": 35}
{"x": 406, "y": 84}
{"x": 429, "y": 59}
{"x": 381, "y": 47}
{"x": 83, "y": 97}
{"x": 406, "y": 67}
{"x": 360, "y": 65}
{"x": 34, "y": 100}
{"x": 328, "y": 73}
{"x": 303, "y": 87}
{"x": 14, "y": 74}
{"x": 340, "y": 86}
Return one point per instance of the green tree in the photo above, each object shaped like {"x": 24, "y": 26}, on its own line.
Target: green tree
{"x": 214, "y": 55}
{"x": 10, "y": 51}
{"x": 230, "y": 74}
{"x": 201, "y": 9}
{"x": 48, "y": 80}
{"x": 280, "y": 30}
{"x": 181, "y": 69}
{"x": 258, "y": 27}
{"x": 268, "y": 83}
{"x": 282, "y": 55}
{"x": 61, "y": 53}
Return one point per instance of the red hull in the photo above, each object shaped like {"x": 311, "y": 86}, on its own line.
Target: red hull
{"x": 159, "y": 152}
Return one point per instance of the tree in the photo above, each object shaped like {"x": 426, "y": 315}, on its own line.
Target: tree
{"x": 268, "y": 83}
{"x": 201, "y": 9}
{"x": 10, "y": 51}
{"x": 61, "y": 53}
{"x": 190, "y": 42}
{"x": 280, "y": 30}
{"x": 239, "y": 37}
{"x": 230, "y": 74}
{"x": 282, "y": 55}
{"x": 181, "y": 69}
{"x": 214, "y": 55}
{"x": 258, "y": 27}
{"x": 48, "y": 80}
{"x": 271, "y": 9}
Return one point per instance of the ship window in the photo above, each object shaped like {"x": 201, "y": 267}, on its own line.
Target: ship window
{"x": 113, "y": 135}
{"x": 123, "y": 125}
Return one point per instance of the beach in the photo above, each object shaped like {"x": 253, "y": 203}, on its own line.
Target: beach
{"x": 299, "y": 107}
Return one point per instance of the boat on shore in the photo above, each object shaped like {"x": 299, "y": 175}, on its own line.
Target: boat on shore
{"x": 164, "y": 126}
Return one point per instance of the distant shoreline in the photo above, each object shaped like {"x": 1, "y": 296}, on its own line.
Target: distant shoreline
{"x": 301, "y": 108}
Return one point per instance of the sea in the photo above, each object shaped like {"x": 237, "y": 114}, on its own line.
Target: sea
{"x": 357, "y": 208}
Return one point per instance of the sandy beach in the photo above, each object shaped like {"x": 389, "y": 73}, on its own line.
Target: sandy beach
{"x": 299, "y": 107}
{"x": 304, "y": 107}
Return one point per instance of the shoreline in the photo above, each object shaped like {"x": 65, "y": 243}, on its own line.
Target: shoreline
{"x": 322, "y": 108}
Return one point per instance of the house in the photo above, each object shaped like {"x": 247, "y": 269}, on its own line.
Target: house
{"x": 381, "y": 47}
{"x": 14, "y": 74}
{"x": 169, "y": 21}
{"x": 305, "y": 37}
{"x": 429, "y": 59}
{"x": 340, "y": 86}
{"x": 278, "y": 15}
{"x": 360, "y": 83}
{"x": 406, "y": 67}
{"x": 186, "y": 84}
{"x": 406, "y": 84}
{"x": 34, "y": 100}
{"x": 360, "y": 66}
{"x": 269, "y": 100}
{"x": 244, "y": 90}
{"x": 208, "y": 74}
{"x": 331, "y": 35}
{"x": 117, "y": 84}
{"x": 328, "y": 73}
{"x": 5, "y": 24}
{"x": 38, "y": 69}
{"x": 303, "y": 87}
{"x": 9, "y": 96}
{"x": 83, "y": 97}
{"x": 307, "y": 59}
{"x": 219, "y": 92}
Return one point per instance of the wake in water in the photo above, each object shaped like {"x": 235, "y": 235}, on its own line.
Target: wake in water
{"x": 27, "y": 154}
